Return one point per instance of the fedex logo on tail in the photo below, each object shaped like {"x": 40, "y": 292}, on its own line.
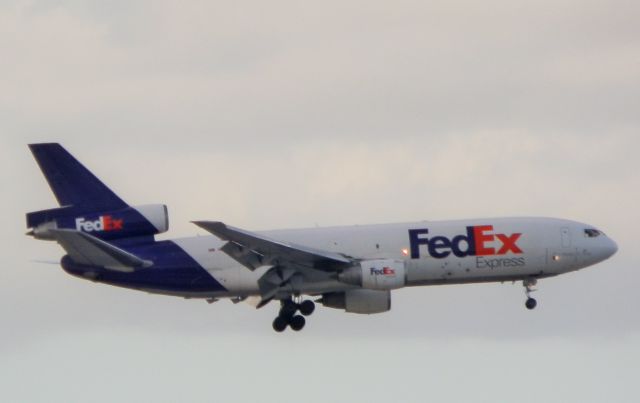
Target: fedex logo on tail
{"x": 478, "y": 241}
{"x": 103, "y": 223}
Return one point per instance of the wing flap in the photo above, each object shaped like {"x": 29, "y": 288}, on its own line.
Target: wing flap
{"x": 91, "y": 251}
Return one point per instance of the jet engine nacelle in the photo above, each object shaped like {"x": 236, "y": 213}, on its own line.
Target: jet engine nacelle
{"x": 378, "y": 274}
{"x": 359, "y": 301}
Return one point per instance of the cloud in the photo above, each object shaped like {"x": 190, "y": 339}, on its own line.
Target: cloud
{"x": 220, "y": 72}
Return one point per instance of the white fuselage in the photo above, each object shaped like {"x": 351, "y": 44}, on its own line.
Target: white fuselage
{"x": 433, "y": 252}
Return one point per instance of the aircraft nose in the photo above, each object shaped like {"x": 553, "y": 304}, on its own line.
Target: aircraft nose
{"x": 610, "y": 248}
{"x": 606, "y": 249}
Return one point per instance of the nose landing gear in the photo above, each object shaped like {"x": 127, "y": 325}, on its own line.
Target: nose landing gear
{"x": 529, "y": 285}
{"x": 287, "y": 315}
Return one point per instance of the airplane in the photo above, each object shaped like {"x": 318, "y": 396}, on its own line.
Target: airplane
{"x": 352, "y": 268}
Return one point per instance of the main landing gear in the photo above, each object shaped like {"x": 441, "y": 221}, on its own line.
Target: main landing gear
{"x": 529, "y": 285}
{"x": 288, "y": 314}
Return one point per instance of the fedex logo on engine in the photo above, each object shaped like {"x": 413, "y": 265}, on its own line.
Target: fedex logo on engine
{"x": 103, "y": 223}
{"x": 385, "y": 271}
{"x": 479, "y": 240}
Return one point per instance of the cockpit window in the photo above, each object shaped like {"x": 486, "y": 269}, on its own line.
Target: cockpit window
{"x": 592, "y": 233}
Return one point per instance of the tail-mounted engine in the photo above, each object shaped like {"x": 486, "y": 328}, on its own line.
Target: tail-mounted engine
{"x": 128, "y": 222}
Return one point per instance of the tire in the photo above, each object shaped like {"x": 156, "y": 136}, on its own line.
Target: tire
{"x": 307, "y": 307}
{"x": 297, "y": 323}
{"x": 531, "y": 303}
{"x": 288, "y": 309}
{"x": 279, "y": 324}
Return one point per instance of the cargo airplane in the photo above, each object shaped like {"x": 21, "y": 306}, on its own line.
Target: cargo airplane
{"x": 352, "y": 268}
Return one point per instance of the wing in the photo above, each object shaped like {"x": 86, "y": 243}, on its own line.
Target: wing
{"x": 89, "y": 250}
{"x": 253, "y": 250}
{"x": 288, "y": 262}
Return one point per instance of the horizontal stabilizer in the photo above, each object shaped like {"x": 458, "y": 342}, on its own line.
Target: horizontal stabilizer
{"x": 88, "y": 250}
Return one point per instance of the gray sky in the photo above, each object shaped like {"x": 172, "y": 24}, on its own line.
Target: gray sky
{"x": 287, "y": 114}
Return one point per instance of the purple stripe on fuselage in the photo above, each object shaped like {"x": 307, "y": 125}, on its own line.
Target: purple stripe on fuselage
{"x": 173, "y": 270}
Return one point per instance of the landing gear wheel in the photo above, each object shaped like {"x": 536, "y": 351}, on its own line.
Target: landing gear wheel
{"x": 279, "y": 324}
{"x": 531, "y": 303}
{"x": 307, "y": 307}
{"x": 288, "y": 309}
{"x": 297, "y": 322}
{"x": 529, "y": 284}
